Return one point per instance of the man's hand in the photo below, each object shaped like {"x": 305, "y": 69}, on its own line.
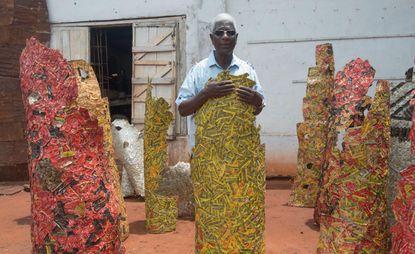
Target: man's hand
{"x": 250, "y": 96}
{"x": 215, "y": 89}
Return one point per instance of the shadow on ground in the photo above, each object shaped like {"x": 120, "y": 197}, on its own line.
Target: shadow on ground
{"x": 27, "y": 220}
{"x": 278, "y": 184}
{"x": 138, "y": 227}
{"x": 136, "y": 199}
{"x": 313, "y": 226}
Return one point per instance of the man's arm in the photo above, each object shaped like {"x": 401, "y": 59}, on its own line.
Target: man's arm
{"x": 213, "y": 89}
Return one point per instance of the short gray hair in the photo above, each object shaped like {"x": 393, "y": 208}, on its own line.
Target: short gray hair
{"x": 222, "y": 17}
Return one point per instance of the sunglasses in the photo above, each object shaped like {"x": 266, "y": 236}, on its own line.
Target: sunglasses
{"x": 221, "y": 33}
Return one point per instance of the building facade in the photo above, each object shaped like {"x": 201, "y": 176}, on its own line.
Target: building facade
{"x": 130, "y": 41}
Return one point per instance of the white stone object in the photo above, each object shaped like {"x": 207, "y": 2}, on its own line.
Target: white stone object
{"x": 176, "y": 181}
{"x": 129, "y": 150}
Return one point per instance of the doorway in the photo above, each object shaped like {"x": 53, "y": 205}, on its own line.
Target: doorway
{"x": 111, "y": 59}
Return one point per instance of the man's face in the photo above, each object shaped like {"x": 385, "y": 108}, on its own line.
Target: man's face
{"x": 224, "y": 37}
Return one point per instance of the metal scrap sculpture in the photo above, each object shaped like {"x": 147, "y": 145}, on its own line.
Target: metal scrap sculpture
{"x": 89, "y": 96}
{"x": 228, "y": 174}
{"x": 351, "y": 207}
{"x": 403, "y": 231}
{"x": 75, "y": 204}
{"x": 313, "y": 133}
{"x": 161, "y": 210}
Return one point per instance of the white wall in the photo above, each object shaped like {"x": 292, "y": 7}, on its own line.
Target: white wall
{"x": 198, "y": 16}
{"x": 267, "y": 29}
{"x": 382, "y": 31}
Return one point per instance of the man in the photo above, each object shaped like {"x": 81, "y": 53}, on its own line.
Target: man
{"x": 193, "y": 93}
{"x": 228, "y": 186}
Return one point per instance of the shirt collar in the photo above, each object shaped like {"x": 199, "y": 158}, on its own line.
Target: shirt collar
{"x": 212, "y": 60}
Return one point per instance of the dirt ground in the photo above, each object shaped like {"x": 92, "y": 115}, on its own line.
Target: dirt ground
{"x": 288, "y": 230}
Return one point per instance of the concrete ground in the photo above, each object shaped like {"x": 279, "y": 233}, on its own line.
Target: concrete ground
{"x": 289, "y": 230}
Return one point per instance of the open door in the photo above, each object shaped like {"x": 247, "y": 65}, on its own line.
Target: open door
{"x": 154, "y": 57}
{"x": 73, "y": 42}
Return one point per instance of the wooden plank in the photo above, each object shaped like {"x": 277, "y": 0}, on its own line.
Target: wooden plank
{"x": 30, "y": 12}
{"x": 76, "y": 45}
{"x": 17, "y": 34}
{"x": 139, "y": 109}
{"x": 10, "y": 86}
{"x": 139, "y": 100}
{"x": 12, "y": 41}
{"x": 79, "y": 43}
{"x": 65, "y": 39}
{"x": 6, "y": 12}
{"x": 73, "y": 42}
{"x": 23, "y": 12}
{"x": 166, "y": 91}
{"x": 162, "y": 72}
{"x": 181, "y": 122}
{"x": 55, "y": 38}
{"x": 139, "y": 90}
{"x": 154, "y": 57}
{"x": 11, "y": 106}
{"x": 11, "y": 111}
{"x": 143, "y": 72}
{"x": 9, "y": 60}
{"x": 140, "y": 36}
{"x": 14, "y": 172}
{"x": 145, "y": 35}
{"x": 160, "y": 91}
{"x": 168, "y": 40}
{"x": 111, "y": 23}
{"x": 153, "y": 62}
{"x": 159, "y": 48}
{"x": 13, "y": 152}
{"x": 12, "y": 131}
{"x": 154, "y": 42}
{"x": 21, "y": 19}
{"x": 158, "y": 39}
{"x": 154, "y": 81}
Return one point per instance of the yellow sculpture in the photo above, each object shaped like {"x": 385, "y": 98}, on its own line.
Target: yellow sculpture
{"x": 228, "y": 174}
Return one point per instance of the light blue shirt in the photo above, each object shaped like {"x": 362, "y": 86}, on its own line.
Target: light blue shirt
{"x": 198, "y": 76}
